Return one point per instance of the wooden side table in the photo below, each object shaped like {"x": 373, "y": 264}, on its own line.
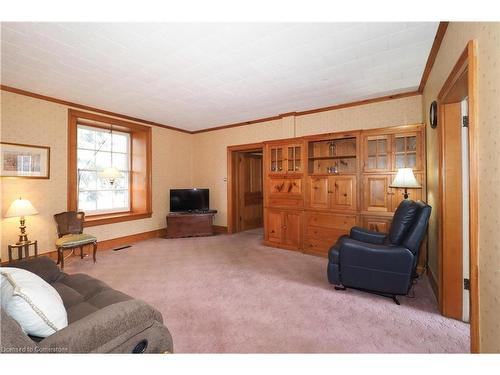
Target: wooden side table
{"x": 20, "y": 247}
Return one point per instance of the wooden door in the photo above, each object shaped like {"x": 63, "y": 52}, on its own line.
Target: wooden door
{"x": 293, "y": 160}
{"x": 250, "y": 191}
{"x": 407, "y": 150}
{"x": 276, "y": 159}
{"x": 292, "y": 229}
{"x": 377, "y": 224}
{"x": 452, "y": 220}
{"x": 376, "y": 193}
{"x": 318, "y": 192}
{"x": 377, "y": 150}
{"x": 342, "y": 191}
{"x": 274, "y": 224}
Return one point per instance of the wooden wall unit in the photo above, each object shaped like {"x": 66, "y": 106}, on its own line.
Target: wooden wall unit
{"x": 320, "y": 186}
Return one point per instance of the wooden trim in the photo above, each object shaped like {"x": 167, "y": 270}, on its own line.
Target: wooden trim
{"x": 360, "y": 102}
{"x": 140, "y": 180}
{"x": 35, "y": 146}
{"x": 473, "y": 197}
{"x": 219, "y": 229}
{"x": 246, "y": 147}
{"x": 466, "y": 62}
{"x": 99, "y": 121}
{"x": 113, "y": 243}
{"x": 458, "y": 69}
{"x": 87, "y": 108}
{"x": 92, "y": 221}
{"x": 130, "y": 239}
{"x": 311, "y": 111}
{"x": 433, "y": 282}
{"x": 231, "y": 179}
{"x": 438, "y": 39}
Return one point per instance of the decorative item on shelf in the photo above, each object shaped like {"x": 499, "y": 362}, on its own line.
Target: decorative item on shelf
{"x": 433, "y": 114}
{"x": 111, "y": 173}
{"x": 332, "y": 148}
{"x": 405, "y": 179}
{"x": 334, "y": 169}
{"x": 21, "y": 208}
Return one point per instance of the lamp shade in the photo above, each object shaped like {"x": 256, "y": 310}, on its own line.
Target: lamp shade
{"x": 21, "y": 207}
{"x": 405, "y": 179}
{"x": 111, "y": 173}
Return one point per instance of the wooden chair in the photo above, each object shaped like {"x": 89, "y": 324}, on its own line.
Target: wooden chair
{"x": 71, "y": 236}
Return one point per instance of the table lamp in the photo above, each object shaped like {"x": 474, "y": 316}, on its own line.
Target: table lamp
{"x": 21, "y": 207}
{"x": 405, "y": 179}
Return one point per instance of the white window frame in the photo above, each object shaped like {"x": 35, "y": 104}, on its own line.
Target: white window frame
{"x": 128, "y": 172}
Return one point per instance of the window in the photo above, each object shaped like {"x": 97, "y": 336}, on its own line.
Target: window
{"x": 98, "y": 149}
{"x": 90, "y": 151}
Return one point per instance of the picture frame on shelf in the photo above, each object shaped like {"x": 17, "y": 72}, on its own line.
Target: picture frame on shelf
{"x": 25, "y": 161}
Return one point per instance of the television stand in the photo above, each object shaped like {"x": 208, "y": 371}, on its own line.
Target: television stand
{"x": 190, "y": 224}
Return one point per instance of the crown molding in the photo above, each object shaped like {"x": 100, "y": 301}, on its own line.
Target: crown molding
{"x": 243, "y": 123}
{"x": 312, "y": 111}
{"x": 88, "y": 108}
{"x": 438, "y": 39}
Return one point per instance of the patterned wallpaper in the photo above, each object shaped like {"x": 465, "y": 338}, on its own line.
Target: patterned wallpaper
{"x": 488, "y": 75}
{"x": 33, "y": 121}
{"x": 210, "y": 170}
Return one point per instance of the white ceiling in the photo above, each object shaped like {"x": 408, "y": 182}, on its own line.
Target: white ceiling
{"x": 201, "y": 75}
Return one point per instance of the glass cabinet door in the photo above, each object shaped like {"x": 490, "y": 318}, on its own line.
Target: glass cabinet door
{"x": 294, "y": 162}
{"x": 405, "y": 151}
{"x": 377, "y": 153}
{"x": 276, "y": 159}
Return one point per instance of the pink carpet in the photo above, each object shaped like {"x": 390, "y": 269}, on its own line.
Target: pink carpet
{"x": 229, "y": 294}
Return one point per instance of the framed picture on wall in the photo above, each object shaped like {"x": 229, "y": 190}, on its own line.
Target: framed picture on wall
{"x": 27, "y": 161}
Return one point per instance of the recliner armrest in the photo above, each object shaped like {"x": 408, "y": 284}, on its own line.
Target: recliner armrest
{"x": 107, "y": 329}
{"x": 365, "y": 235}
{"x": 388, "y": 258}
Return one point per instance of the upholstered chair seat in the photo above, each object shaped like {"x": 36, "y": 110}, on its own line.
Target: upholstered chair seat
{"x": 75, "y": 240}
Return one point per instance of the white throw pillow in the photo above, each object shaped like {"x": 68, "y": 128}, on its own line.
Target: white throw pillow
{"x": 32, "y": 302}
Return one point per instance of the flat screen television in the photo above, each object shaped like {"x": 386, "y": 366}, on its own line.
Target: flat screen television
{"x": 188, "y": 200}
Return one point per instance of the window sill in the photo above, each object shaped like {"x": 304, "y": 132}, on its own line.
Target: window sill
{"x": 94, "y": 220}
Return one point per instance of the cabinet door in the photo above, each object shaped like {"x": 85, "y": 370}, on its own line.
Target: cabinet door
{"x": 377, "y": 153}
{"x": 274, "y": 224}
{"x": 377, "y": 224}
{"x": 414, "y": 194}
{"x": 377, "y": 195}
{"x": 318, "y": 192}
{"x": 294, "y": 159}
{"x": 276, "y": 159}
{"x": 343, "y": 192}
{"x": 292, "y": 228}
{"x": 407, "y": 150}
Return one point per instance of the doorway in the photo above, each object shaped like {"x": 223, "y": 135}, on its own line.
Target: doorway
{"x": 458, "y": 202}
{"x": 245, "y": 188}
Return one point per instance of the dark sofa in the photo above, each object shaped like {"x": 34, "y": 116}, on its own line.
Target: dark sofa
{"x": 100, "y": 319}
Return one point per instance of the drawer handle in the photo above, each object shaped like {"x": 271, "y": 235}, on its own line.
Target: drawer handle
{"x": 345, "y": 194}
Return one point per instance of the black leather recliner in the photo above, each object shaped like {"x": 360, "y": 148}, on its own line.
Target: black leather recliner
{"x": 381, "y": 263}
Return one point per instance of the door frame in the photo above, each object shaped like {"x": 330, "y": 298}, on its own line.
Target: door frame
{"x": 467, "y": 62}
{"x": 232, "y": 179}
